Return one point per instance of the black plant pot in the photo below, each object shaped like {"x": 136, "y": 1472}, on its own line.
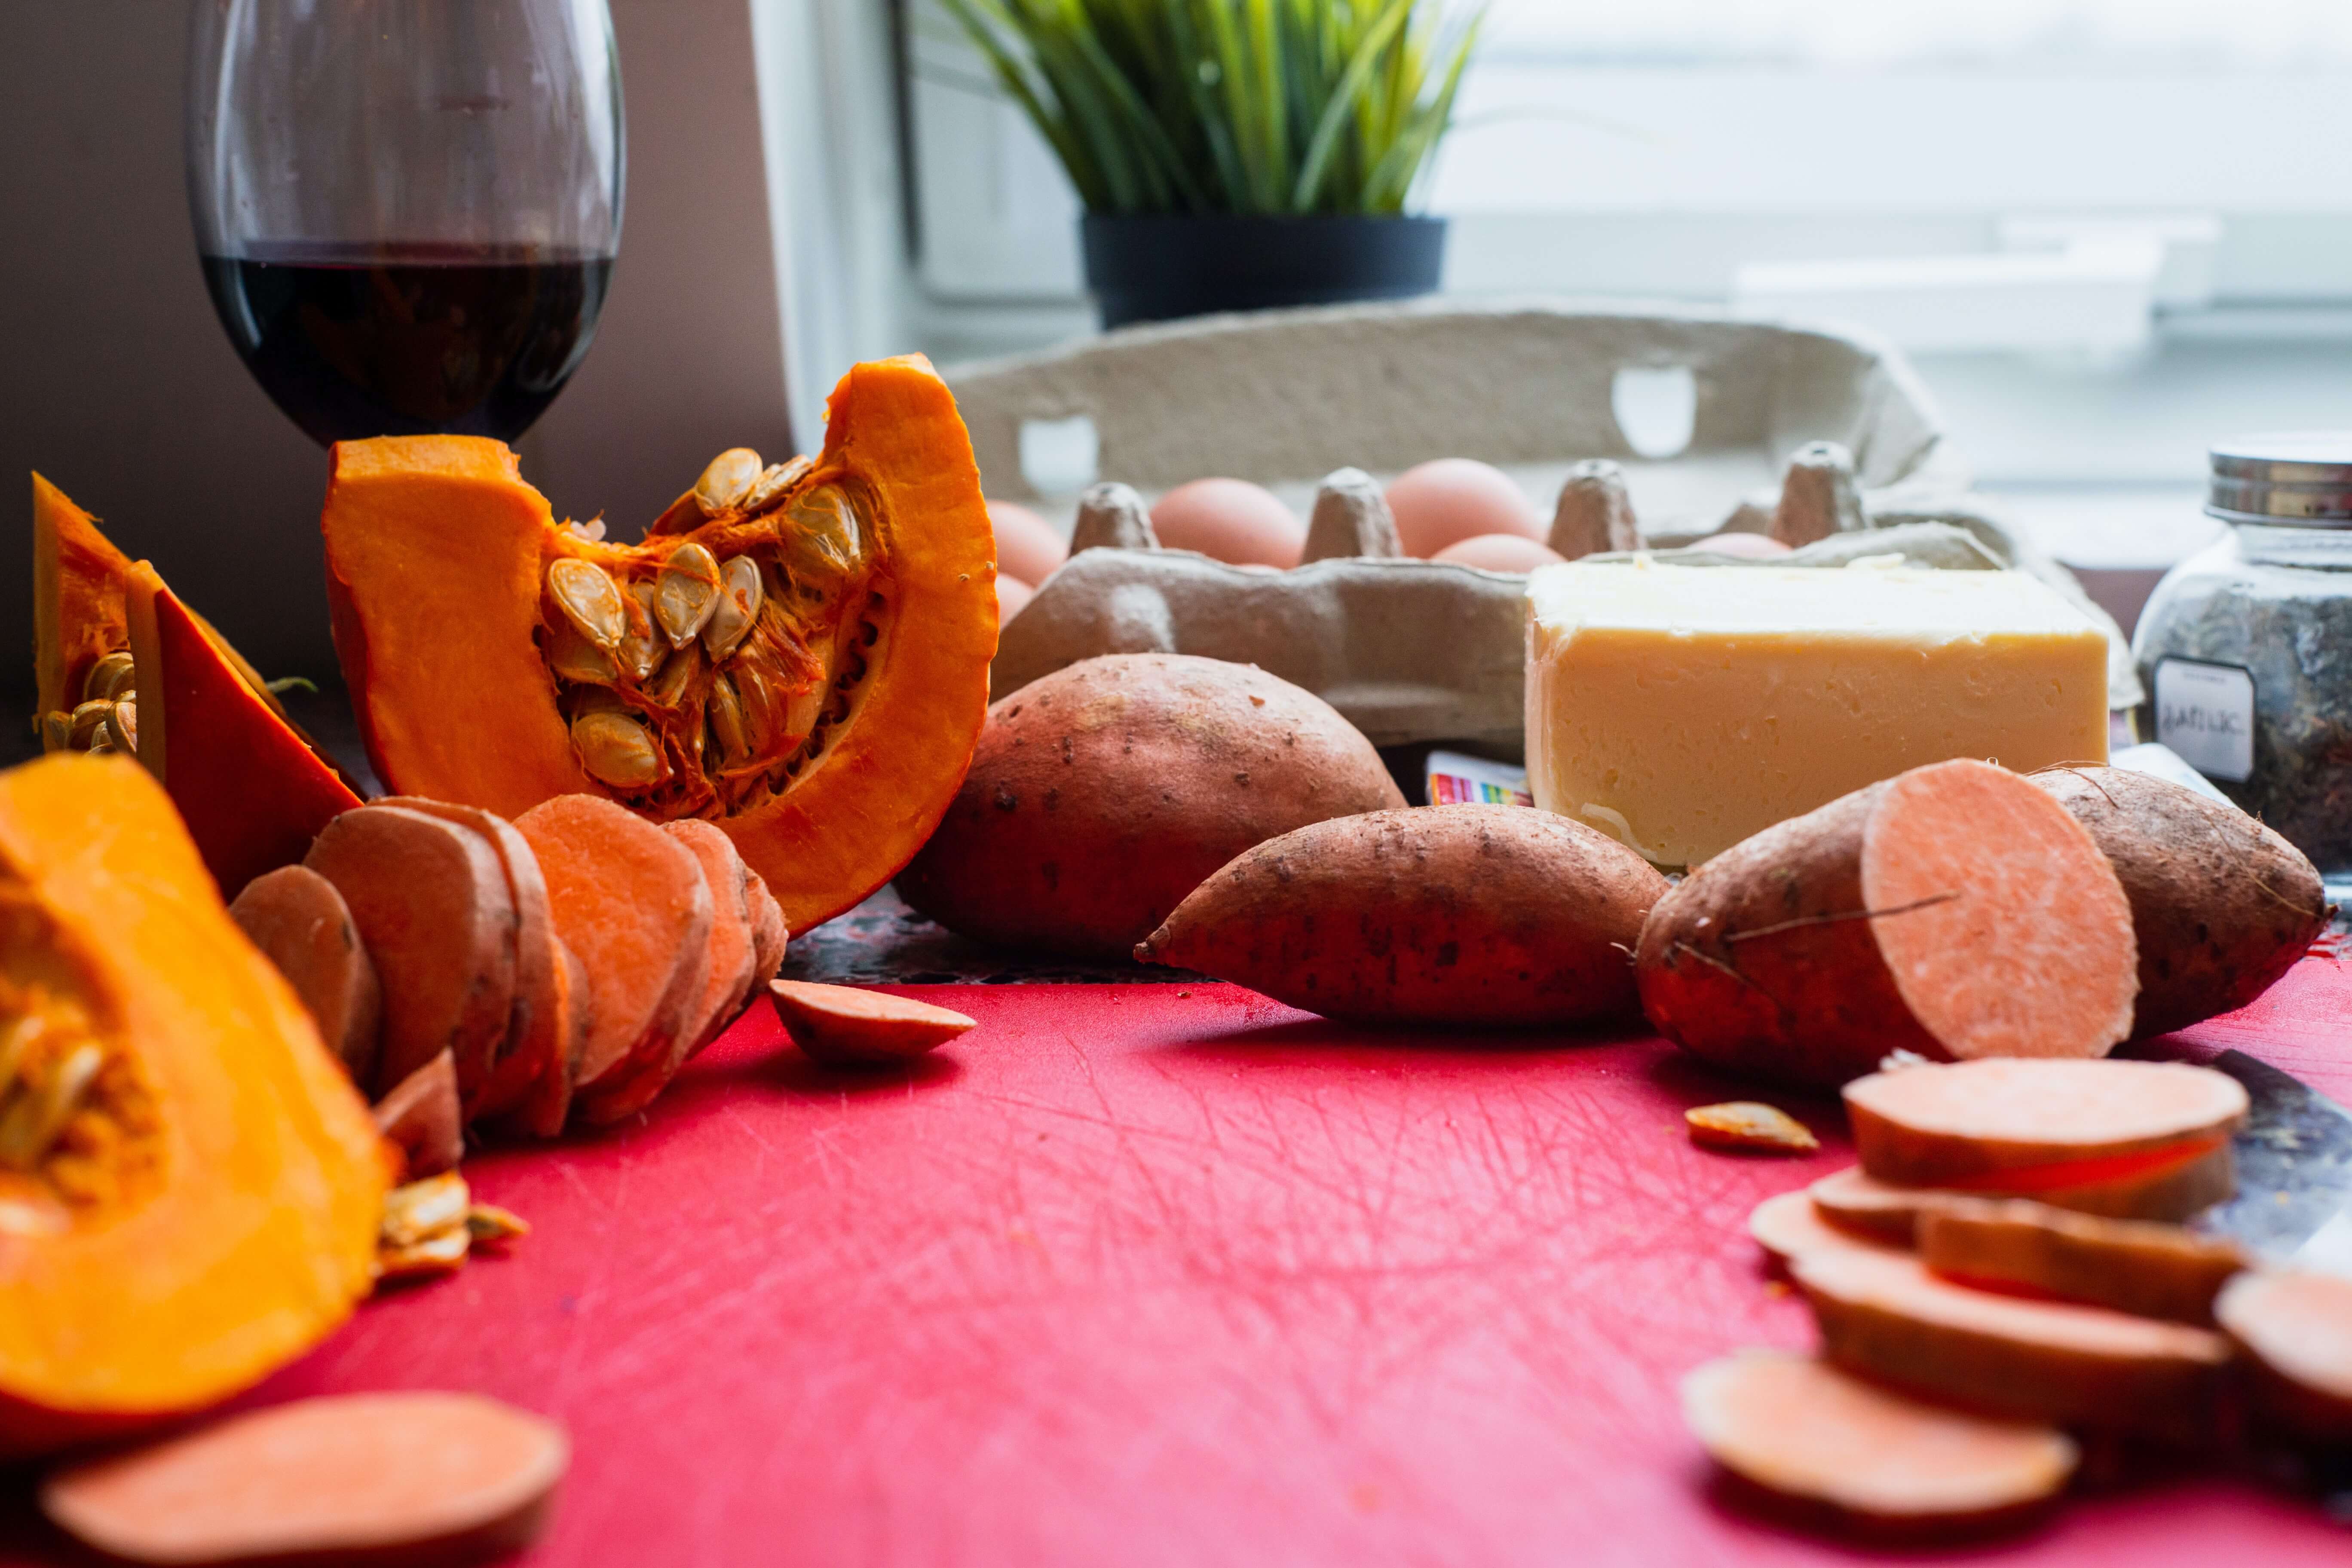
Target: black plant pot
{"x": 1158, "y": 266}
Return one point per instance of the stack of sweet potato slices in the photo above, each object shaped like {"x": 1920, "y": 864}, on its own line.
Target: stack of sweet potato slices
{"x": 2004, "y": 1271}
{"x": 568, "y": 961}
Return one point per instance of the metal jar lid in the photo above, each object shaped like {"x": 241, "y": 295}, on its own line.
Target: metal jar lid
{"x": 2290, "y": 478}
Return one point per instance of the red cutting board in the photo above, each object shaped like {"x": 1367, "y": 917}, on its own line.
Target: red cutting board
{"x": 1157, "y": 1274}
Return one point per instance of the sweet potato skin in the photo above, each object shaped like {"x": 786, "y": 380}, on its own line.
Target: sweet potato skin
{"x": 1813, "y": 1004}
{"x": 2221, "y": 905}
{"x": 1462, "y": 916}
{"x": 1103, "y": 793}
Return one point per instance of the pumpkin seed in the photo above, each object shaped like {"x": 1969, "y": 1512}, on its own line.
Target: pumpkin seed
{"x": 727, "y": 479}
{"x": 423, "y": 1209}
{"x": 15, "y": 1041}
{"x": 490, "y": 1224}
{"x": 616, "y": 750}
{"x": 593, "y": 531}
{"x": 669, "y": 689}
{"x": 826, "y": 544}
{"x": 85, "y": 721}
{"x": 38, "y": 1114}
{"x": 425, "y": 1259}
{"x": 686, "y": 593}
{"x": 589, "y": 599}
{"x": 123, "y": 725}
{"x": 725, "y": 709}
{"x": 57, "y": 732}
{"x": 780, "y": 478}
{"x": 109, "y": 678}
{"x": 641, "y": 651}
{"x": 742, "y": 591}
{"x": 574, "y": 658}
{"x": 102, "y": 743}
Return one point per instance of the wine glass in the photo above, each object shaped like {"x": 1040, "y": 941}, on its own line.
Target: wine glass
{"x": 407, "y": 210}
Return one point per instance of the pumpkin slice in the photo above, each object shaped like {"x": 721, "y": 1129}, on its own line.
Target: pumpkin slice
{"x": 251, "y": 787}
{"x": 799, "y": 653}
{"x": 252, "y": 791}
{"x": 207, "y": 1166}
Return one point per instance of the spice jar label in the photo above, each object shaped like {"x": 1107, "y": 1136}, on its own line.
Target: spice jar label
{"x": 2205, "y": 712}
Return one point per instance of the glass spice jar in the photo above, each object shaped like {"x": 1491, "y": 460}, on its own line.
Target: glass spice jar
{"x": 2245, "y": 647}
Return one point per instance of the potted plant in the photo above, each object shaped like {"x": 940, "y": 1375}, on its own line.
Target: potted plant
{"x": 1238, "y": 154}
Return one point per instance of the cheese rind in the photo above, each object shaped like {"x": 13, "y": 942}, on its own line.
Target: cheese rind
{"x": 1685, "y": 707}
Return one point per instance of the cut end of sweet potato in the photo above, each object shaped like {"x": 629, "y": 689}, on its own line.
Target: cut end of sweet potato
{"x": 2027, "y": 1126}
{"x": 630, "y": 901}
{"x": 734, "y": 948}
{"x": 1788, "y": 1226}
{"x": 1749, "y": 1127}
{"x": 1866, "y": 1458}
{"x": 2295, "y": 1327}
{"x": 841, "y": 1024}
{"x": 1883, "y": 1316}
{"x": 2004, "y": 926}
{"x": 411, "y": 1477}
{"x": 422, "y": 1119}
{"x": 302, "y": 926}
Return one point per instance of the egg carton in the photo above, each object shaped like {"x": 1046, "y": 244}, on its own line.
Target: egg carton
{"x": 1820, "y": 439}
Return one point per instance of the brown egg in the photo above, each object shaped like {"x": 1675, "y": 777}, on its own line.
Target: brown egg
{"x": 1231, "y": 520}
{"x": 1012, "y": 593}
{"x": 1453, "y": 499}
{"x": 1737, "y": 541}
{"x": 1499, "y": 553}
{"x": 1026, "y": 544}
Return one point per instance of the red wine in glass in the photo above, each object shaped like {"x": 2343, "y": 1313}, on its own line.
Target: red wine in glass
{"x": 354, "y": 340}
{"x": 407, "y": 210}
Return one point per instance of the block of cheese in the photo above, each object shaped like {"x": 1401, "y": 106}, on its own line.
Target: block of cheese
{"x": 1685, "y": 707}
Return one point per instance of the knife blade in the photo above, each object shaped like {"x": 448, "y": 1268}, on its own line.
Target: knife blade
{"x": 2294, "y": 1156}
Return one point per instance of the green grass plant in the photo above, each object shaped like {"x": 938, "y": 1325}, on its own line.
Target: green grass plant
{"x": 1231, "y": 106}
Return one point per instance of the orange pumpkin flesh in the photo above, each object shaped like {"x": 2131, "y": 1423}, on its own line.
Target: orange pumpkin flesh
{"x": 205, "y": 1208}
{"x": 827, "y": 742}
{"x": 251, "y": 790}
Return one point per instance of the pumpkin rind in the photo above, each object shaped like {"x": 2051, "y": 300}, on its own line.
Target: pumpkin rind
{"x": 436, "y": 554}
{"x": 250, "y": 789}
{"x": 243, "y": 1229}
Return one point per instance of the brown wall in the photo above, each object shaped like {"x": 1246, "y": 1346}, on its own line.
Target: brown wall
{"x": 118, "y": 383}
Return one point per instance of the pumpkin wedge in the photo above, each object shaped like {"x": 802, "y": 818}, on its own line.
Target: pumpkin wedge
{"x": 189, "y": 1186}
{"x": 798, "y": 652}
{"x": 114, "y": 650}
{"x": 251, "y": 789}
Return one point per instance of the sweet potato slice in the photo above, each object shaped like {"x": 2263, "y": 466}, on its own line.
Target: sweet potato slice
{"x": 768, "y": 935}
{"x": 2221, "y": 906}
{"x": 1851, "y": 1456}
{"x": 1788, "y": 1226}
{"x": 630, "y": 902}
{"x": 379, "y": 1478}
{"x": 732, "y": 951}
{"x": 1955, "y": 911}
{"x": 2025, "y": 1127}
{"x": 549, "y": 1103}
{"x": 430, "y": 901}
{"x": 421, "y": 1118}
{"x": 841, "y": 1024}
{"x": 1884, "y": 1317}
{"x": 532, "y": 1036}
{"x": 2295, "y": 1329}
{"x": 1852, "y": 1200}
{"x": 302, "y": 924}
{"x": 2134, "y": 1265}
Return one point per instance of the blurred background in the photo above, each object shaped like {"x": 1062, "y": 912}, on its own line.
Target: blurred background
{"x": 2106, "y": 231}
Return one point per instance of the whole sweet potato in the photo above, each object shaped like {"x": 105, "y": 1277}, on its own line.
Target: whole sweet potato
{"x": 1102, "y": 793}
{"x": 2221, "y": 905}
{"x": 1496, "y": 916}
